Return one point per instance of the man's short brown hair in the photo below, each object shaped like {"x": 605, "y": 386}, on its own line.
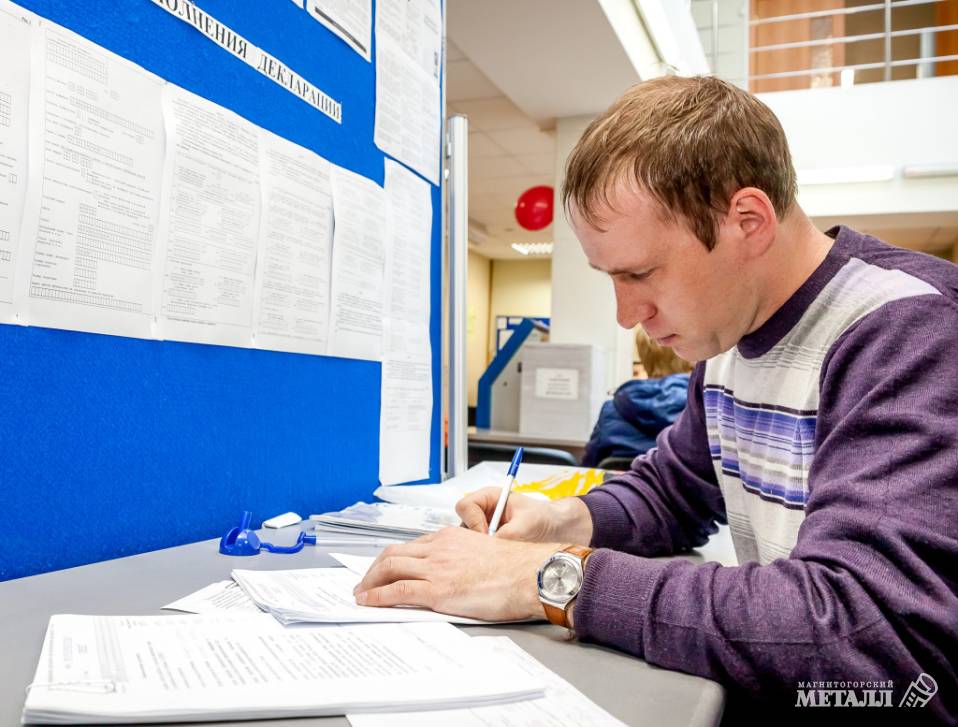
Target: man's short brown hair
{"x": 691, "y": 143}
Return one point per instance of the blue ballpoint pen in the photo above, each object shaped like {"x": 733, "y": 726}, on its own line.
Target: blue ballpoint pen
{"x": 504, "y": 495}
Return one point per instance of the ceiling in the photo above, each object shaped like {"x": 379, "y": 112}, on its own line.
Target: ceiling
{"x": 508, "y": 153}
{"x": 529, "y": 77}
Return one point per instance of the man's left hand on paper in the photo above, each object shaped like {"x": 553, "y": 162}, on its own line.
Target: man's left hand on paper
{"x": 459, "y": 572}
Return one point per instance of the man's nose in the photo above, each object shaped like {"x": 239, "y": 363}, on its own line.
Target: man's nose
{"x": 630, "y": 309}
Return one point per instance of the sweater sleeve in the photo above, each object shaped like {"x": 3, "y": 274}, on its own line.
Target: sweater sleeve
{"x": 670, "y": 499}
{"x": 870, "y": 591}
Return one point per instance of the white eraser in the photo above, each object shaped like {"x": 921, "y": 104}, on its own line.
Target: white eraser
{"x": 282, "y": 521}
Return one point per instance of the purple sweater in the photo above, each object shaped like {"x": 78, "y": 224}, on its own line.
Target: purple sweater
{"x": 828, "y": 440}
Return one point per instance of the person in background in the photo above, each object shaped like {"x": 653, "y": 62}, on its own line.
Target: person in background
{"x": 641, "y": 408}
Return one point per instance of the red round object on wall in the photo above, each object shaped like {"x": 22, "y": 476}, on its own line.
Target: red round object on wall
{"x": 534, "y": 207}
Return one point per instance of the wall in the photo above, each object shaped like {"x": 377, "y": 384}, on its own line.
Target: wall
{"x": 894, "y": 123}
{"x": 519, "y": 288}
{"x": 478, "y": 292}
{"x": 583, "y": 303}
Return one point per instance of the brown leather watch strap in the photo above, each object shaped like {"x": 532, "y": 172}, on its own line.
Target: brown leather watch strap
{"x": 560, "y": 616}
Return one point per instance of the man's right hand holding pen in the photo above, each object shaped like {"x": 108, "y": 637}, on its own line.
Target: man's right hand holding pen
{"x": 527, "y": 518}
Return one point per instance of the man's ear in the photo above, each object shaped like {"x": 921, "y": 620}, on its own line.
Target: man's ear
{"x": 751, "y": 218}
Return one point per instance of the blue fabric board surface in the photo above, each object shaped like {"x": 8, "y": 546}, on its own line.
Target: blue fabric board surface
{"x": 112, "y": 446}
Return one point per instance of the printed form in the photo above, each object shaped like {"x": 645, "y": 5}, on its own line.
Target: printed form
{"x": 292, "y": 274}
{"x": 325, "y": 595}
{"x": 15, "y": 44}
{"x": 359, "y": 239}
{"x": 95, "y": 190}
{"x": 408, "y": 61}
{"x": 219, "y": 596}
{"x": 562, "y": 706}
{"x": 405, "y": 421}
{"x": 209, "y": 222}
{"x": 351, "y": 20}
{"x": 225, "y": 666}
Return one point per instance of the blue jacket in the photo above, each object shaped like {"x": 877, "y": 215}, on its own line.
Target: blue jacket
{"x": 637, "y": 412}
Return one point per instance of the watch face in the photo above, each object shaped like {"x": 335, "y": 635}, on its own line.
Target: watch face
{"x": 560, "y": 580}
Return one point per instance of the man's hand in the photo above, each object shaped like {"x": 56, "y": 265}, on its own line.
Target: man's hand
{"x": 461, "y": 573}
{"x": 566, "y": 520}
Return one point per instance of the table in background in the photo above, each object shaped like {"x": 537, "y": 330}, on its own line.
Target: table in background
{"x": 625, "y": 686}
{"x": 575, "y": 447}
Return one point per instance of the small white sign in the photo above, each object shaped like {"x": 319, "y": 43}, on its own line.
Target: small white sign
{"x": 557, "y": 383}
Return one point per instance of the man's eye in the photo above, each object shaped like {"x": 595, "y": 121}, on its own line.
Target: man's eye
{"x": 639, "y": 276}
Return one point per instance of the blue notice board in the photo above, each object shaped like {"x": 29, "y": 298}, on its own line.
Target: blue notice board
{"x": 113, "y": 446}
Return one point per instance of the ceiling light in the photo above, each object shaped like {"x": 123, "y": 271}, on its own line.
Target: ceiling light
{"x": 847, "y": 175}
{"x": 929, "y": 171}
{"x": 533, "y": 248}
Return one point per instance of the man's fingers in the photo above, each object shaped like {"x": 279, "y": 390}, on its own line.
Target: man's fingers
{"x": 398, "y": 593}
{"x": 391, "y": 568}
{"x": 472, "y": 516}
{"x": 476, "y": 509}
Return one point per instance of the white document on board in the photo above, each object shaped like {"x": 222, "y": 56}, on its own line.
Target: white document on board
{"x": 351, "y": 20}
{"x": 94, "y": 192}
{"x": 408, "y": 64}
{"x": 562, "y": 706}
{"x": 209, "y": 223}
{"x": 99, "y": 669}
{"x": 405, "y": 421}
{"x": 359, "y": 238}
{"x": 291, "y": 311}
{"x": 15, "y": 48}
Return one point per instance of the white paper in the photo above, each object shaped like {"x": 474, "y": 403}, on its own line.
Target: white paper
{"x": 292, "y": 274}
{"x": 359, "y": 238}
{"x": 408, "y": 63}
{"x": 219, "y": 596}
{"x": 405, "y": 420}
{"x": 557, "y": 384}
{"x": 209, "y": 222}
{"x": 406, "y": 278}
{"x": 351, "y": 20}
{"x": 224, "y": 666}
{"x": 387, "y": 519}
{"x": 562, "y": 706}
{"x": 356, "y": 564}
{"x": 95, "y": 190}
{"x": 325, "y": 595}
{"x": 15, "y": 49}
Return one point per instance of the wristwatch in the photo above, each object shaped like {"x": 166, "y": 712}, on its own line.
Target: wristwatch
{"x": 559, "y": 580}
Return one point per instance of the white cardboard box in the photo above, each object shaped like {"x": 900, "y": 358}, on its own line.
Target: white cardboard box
{"x": 562, "y": 390}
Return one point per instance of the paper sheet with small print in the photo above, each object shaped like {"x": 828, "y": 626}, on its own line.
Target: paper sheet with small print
{"x": 325, "y": 595}
{"x": 562, "y": 706}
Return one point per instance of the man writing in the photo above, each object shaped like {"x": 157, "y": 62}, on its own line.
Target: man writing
{"x": 822, "y": 425}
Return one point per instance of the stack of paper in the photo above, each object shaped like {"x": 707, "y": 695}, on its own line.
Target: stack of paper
{"x": 109, "y": 669}
{"x": 404, "y": 522}
{"x": 324, "y": 595}
{"x": 562, "y": 706}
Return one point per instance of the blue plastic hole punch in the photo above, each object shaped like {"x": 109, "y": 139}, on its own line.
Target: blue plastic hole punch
{"x": 243, "y": 541}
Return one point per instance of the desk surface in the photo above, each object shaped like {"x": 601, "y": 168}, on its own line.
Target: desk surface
{"x": 625, "y": 686}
